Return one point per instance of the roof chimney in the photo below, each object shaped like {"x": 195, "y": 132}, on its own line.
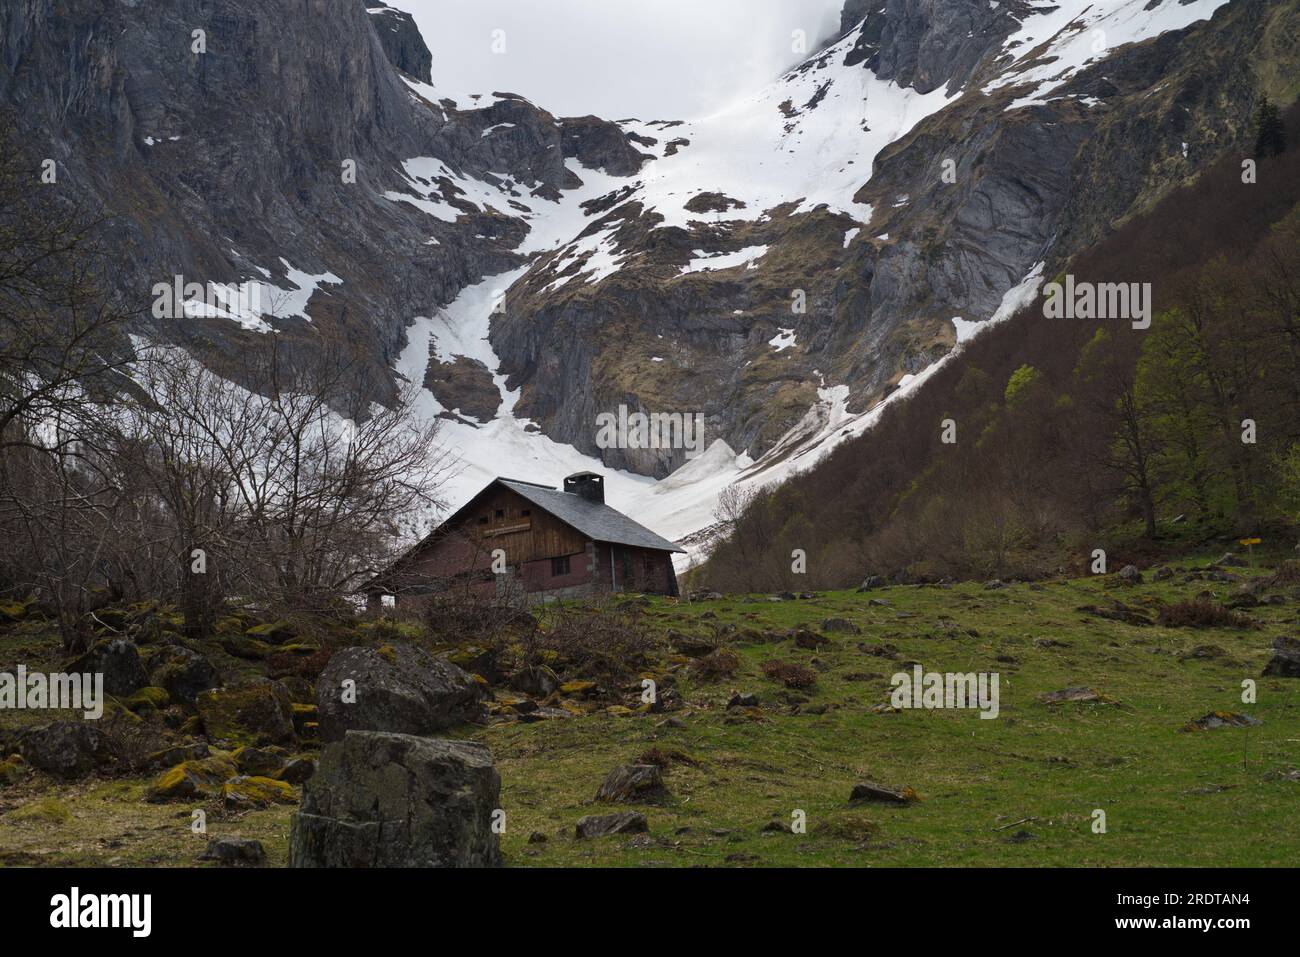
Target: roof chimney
{"x": 587, "y": 484}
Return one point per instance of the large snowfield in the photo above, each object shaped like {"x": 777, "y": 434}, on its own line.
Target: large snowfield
{"x": 810, "y": 137}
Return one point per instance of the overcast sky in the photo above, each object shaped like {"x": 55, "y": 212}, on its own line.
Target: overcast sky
{"x": 652, "y": 59}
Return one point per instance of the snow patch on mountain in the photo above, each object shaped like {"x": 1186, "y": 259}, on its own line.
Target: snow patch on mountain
{"x": 1062, "y": 37}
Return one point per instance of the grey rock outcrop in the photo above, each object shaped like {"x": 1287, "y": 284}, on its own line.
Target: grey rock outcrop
{"x": 401, "y": 40}
{"x": 118, "y": 660}
{"x": 400, "y": 688}
{"x": 183, "y": 672}
{"x": 66, "y": 749}
{"x": 397, "y": 800}
{"x": 1285, "y": 662}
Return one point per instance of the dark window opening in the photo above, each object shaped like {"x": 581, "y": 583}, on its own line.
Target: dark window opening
{"x": 501, "y": 513}
{"x": 482, "y": 520}
{"x": 560, "y": 566}
{"x": 526, "y": 512}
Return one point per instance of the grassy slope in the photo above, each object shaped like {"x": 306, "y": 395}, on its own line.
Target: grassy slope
{"x": 1171, "y": 798}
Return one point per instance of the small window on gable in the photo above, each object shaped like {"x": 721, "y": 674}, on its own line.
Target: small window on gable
{"x": 482, "y": 519}
{"x": 526, "y": 512}
{"x": 501, "y": 513}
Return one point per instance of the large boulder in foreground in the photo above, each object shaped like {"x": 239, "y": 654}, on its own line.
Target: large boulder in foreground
{"x": 398, "y": 688}
{"x": 397, "y": 800}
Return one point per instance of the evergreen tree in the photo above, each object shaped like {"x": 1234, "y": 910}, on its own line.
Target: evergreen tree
{"x": 1270, "y": 132}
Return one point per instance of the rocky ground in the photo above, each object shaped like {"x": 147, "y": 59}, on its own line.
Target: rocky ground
{"x": 771, "y": 739}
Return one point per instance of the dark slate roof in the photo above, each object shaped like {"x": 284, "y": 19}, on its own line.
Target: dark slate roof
{"x": 596, "y": 520}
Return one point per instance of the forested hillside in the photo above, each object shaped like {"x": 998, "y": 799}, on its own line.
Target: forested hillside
{"x": 1052, "y": 437}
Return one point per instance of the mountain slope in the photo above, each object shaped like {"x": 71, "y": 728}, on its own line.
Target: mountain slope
{"x": 533, "y": 271}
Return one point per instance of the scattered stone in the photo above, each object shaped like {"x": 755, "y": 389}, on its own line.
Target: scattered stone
{"x": 840, "y": 626}
{"x": 297, "y": 770}
{"x": 809, "y": 640}
{"x": 397, "y": 800}
{"x": 300, "y": 690}
{"x": 537, "y": 837}
{"x": 201, "y": 778}
{"x": 747, "y": 700}
{"x": 777, "y": 827}
{"x": 257, "y": 712}
{"x": 691, "y": 646}
{"x": 870, "y": 582}
{"x": 1285, "y": 662}
{"x": 1130, "y": 575}
{"x": 273, "y": 632}
{"x": 1118, "y": 612}
{"x": 602, "y": 825}
{"x": 184, "y": 673}
{"x": 170, "y": 757}
{"x": 1229, "y": 560}
{"x": 1204, "y": 651}
{"x": 879, "y": 793}
{"x": 1077, "y": 693}
{"x": 257, "y": 762}
{"x": 66, "y": 749}
{"x": 536, "y": 680}
{"x": 234, "y": 850}
{"x": 247, "y": 792}
{"x": 119, "y": 662}
{"x": 633, "y": 783}
{"x": 401, "y": 689}
{"x": 994, "y": 585}
{"x": 1221, "y": 719}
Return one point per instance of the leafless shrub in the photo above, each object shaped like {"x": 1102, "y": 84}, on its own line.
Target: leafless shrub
{"x": 790, "y": 674}
{"x": 1201, "y": 613}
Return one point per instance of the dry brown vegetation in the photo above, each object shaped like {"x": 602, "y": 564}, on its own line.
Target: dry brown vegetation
{"x": 1076, "y": 433}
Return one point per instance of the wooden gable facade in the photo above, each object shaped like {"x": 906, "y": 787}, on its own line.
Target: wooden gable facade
{"x": 543, "y": 556}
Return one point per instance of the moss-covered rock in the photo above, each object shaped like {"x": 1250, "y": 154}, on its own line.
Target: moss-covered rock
{"x": 248, "y": 792}
{"x": 118, "y": 660}
{"x": 301, "y": 691}
{"x": 274, "y": 632}
{"x": 256, "y": 713}
{"x": 258, "y": 762}
{"x": 305, "y": 719}
{"x": 182, "y": 671}
{"x": 12, "y": 770}
{"x": 170, "y": 757}
{"x": 11, "y": 611}
{"x": 249, "y": 649}
{"x": 192, "y": 779}
{"x": 148, "y": 699}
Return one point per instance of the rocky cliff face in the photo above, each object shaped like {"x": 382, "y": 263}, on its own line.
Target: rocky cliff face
{"x": 401, "y": 40}
{"x": 799, "y": 253}
{"x": 274, "y": 145}
{"x": 942, "y": 149}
